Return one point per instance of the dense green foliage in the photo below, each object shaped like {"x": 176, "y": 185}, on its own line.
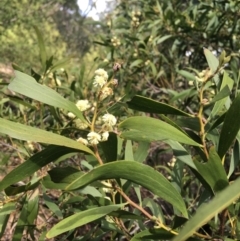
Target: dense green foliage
{"x": 135, "y": 139}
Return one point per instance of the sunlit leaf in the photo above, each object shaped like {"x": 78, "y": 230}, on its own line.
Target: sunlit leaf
{"x": 207, "y": 211}
{"x": 26, "y": 85}
{"x": 144, "y": 104}
{"x": 81, "y": 218}
{"x": 34, "y": 163}
{"x": 28, "y": 133}
{"x": 138, "y": 173}
{"x": 142, "y": 128}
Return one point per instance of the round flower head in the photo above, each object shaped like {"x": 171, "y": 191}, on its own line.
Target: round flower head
{"x": 93, "y": 138}
{"x": 105, "y": 136}
{"x": 105, "y": 92}
{"x": 103, "y": 73}
{"x": 100, "y": 78}
{"x": 83, "y": 105}
{"x": 99, "y": 81}
{"x": 83, "y": 141}
{"x": 109, "y": 119}
{"x": 81, "y": 125}
{"x": 71, "y": 115}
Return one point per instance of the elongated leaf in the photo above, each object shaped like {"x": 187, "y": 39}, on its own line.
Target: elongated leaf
{"x": 186, "y": 74}
{"x": 213, "y": 63}
{"x": 109, "y": 147}
{"x": 218, "y": 106}
{"x": 144, "y": 104}
{"x": 137, "y": 173}
{"x": 125, "y": 215}
{"x": 60, "y": 64}
{"x": 26, "y": 85}
{"x": 33, "y": 164}
{"x": 142, "y": 151}
{"x": 149, "y": 129}
{"x": 136, "y": 63}
{"x": 162, "y": 39}
{"x": 60, "y": 178}
{"x": 230, "y": 127}
{"x": 8, "y": 208}
{"x": 42, "y": 49}
{"x": 79, "y": 219}
{"x": 128, "y": 155}
{"x": 153, "y": 234}
{"x": 224, "y": 92}
{"x": 213, "y": 171}
{"x": 207, "y": 211}
{"x": 28, "y": 133}
{"x": 52, "y": 206}
{"x": 22, "y": 222}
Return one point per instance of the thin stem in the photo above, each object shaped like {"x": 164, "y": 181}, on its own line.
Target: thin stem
{"x": 201, "y": 122}
{"x": 134, "y": 204}
{"x": 97, "y": 155}
{"x": 149, "y": 216}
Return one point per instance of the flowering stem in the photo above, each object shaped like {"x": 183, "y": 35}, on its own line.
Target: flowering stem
{"x": 97, "y": 154}
{"x": 201, "y": 122}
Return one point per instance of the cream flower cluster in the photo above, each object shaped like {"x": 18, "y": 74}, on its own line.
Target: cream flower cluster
{"x": 100, "y": 78}
{"x": 104, "y": 123}
{"x": 105, "y": 92}
{"x": 109, "y": 119}
{"x": 135, "y": 18}
{"x": 115, "y": 41}
{"x": 93, "y": 138}
{"x": 82, "y": 105}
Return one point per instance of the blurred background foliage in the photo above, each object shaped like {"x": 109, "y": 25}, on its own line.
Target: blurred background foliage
{"x": 65, "y": 31}
{"x": 159, "y": 44}
{"x": 159, "y": 39}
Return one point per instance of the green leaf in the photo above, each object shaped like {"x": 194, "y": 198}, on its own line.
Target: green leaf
{"x": 216, "y": 123}
{"x": 213, "y": 63}
{"x": 207, "y": 211}
{"x": 8, "y": 208}
{"x": 181, "y": 153}
{"x": 42, "y": 50}
{"x": 138, "y": 173}
{"x": 5, "y": 212}
{"x": 52, "y": 206}
{"x": 81, "y": 218}
{"x": 224, "y": 92}
{"x": 60, "y": 64}
{"x": 186, "y": 74}
{"x": 153, "y": 234}
{"x": 33, "y": 164}
{"x": 149, "y": 129}
{"x": 109, "y": 147}
{"x": 27, "y": 216}
{"x": 151, "y": 106}
{"x": 28, "y": 133}
{"x": 128, "y": 155}
{"x": 32, "y": 206}
{"x": 136, "y": 63}
{"x": 26, "y": 85}
{"x": 13, "y": 190}
{"x": 60, "y": 178}
{"x": 162, "y": 39}
{"x": 218, "y": 106}
{"x": 230, "y": 127}
{"x": 125, "y": 215}
{"x": 142, "y": 151}
{"x": 191, "y": 123}
{"x": 213, "y": 171}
